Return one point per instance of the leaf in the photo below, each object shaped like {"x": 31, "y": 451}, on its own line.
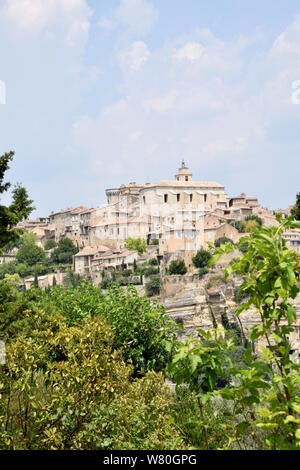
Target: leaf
{"x": 291, "y": 315}
{"x": 242, "y": 427}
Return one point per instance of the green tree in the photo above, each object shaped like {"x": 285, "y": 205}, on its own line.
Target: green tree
{"x": 267, "y": 391}
{"x": 19, "y": 209}
{"x": 177, "y": 267}
{"x": 201, "y": 259}
{"x": 64, "y": 252}
{"x": 50, "y": 244}
{"x": 29, "y": 252}
{"x": 136, "y": 244}
{"x": 295, "y": 212}
{"x": 153, "y": 285}
{"x": 220, "y": 241}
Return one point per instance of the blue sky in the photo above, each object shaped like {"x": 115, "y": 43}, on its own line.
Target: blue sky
{"x": 99, "y": 93}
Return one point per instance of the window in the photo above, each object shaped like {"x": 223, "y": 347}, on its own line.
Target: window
{"x": 186, "y": 178}
{"x": 191, "y": 197}
{"x": 144, "y": 199}
{"x": 178, "y": 197}
{"x": 166, "y": 198}
{"x": 205, "y": 197}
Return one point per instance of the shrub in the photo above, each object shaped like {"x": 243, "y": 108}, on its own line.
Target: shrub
{"x": 222, "y": 240}
{"x": 203, "y": 271}
{"x": 136, "y": 244}
{"x": 50, "y": 244}
{"x": 177, "y": 267}
{"x": 64, "y": 252}
{"x": 153, "y": 262}
{"x": 153, "y": 286}
{"x": 201, "y": 259}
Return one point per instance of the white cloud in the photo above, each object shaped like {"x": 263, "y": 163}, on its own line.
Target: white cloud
{"x": 198, "y": 102}
{"x": 136, "y": 16}
{"x": 288, "y": 42}
{"x": 160, "y": 104}
{"x": 135, "y": 57}
{"x": 35, "y": 17}
{"x": 192, "y": 51}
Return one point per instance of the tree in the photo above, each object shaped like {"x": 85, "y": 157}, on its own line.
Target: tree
{"x": 222, "y": 240}
{"x": 295, "y": 212}
{"x": 50, "y": 244}
{"x": 19, "y": 209}
{"x": 64, "y": 252}
{"x": 153, "y": 286}
{"x": 177, "y": 267}
{"x": 267, "y": 390}
{"x": 201, "y": 259}
{"x": 29, "y": 252}
{"x": 136, "y": 244}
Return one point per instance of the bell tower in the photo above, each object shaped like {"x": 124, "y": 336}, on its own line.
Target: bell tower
{"x": 183, "y": 175}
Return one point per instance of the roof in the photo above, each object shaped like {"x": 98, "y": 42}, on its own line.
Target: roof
{"x": 186, "y": 184}
{"x": 112, "y": 255}
{"x": 90, "y": 251}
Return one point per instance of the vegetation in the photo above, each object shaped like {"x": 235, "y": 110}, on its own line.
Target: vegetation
{"x": 201, "y": 260}
{"x": 18, "y": 210}
{"x": 50, "y": 244}
{"x": 222, "y": 240}
{"x": 177, "y": 267}
{"x": 86, "y": 369}
{"x": 136, "y": 244}
{"x": 263, "y": 395}
{"x": 248, "y": 223}
{"x": 64, "y": 252}
{"x": 295, "y": 212}
{"x": 29, "y": 253}
{"x": 153, "y": 286}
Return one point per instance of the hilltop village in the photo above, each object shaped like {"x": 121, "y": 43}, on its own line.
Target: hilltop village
{"x": 175, "y": 218}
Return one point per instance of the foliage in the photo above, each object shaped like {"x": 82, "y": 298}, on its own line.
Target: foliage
{"x": 295, "y": 212}
{"x": 29, "y": 253}
{"x": 50, "y": 244}
{"x": 203, "y": 271}
{"x": 64, "y": 252}
{"x": 201, "y": 259}
{"x": 153, "y": 262}
{"x": 220, "y": 241}
{"x": 67, "y": 388}
{"x": 18, "y": 210}
{"x": 136, "y": 244}
{"x": 199, "y": 363}
{"x": 153, "y": 286}
{"x": 267, "y": 391}
{"x": 248, "y": 223}
{"x": 177, "y": 266}
{"x": 141, "y": 329}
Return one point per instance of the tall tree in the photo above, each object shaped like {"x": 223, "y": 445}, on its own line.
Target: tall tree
{"x": 296, "y": 209}
{"x": 19, "y": 209}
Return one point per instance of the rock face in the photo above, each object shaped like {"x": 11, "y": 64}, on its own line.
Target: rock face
{"x": 210, "y": 302}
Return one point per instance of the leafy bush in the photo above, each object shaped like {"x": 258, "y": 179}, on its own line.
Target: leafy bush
{"x": 64, "y": 252}
{"x": 136, "y": 244}
{"x": 177, "y": 267}
{"x": 153, "y": 262}
{"x": 203, "y": 271}
{"x": 29, "y": 252}
{"x": 153, "y": 286}
{"x": 222, "y": 240}
{"x": 201, "y": 259}
{"x": 50, "y": 244}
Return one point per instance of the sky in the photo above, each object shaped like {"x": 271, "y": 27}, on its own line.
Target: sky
{"x": 96, "y": 93}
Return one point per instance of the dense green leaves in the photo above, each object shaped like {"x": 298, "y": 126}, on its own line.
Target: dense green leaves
{"x": 19, "y": 209}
